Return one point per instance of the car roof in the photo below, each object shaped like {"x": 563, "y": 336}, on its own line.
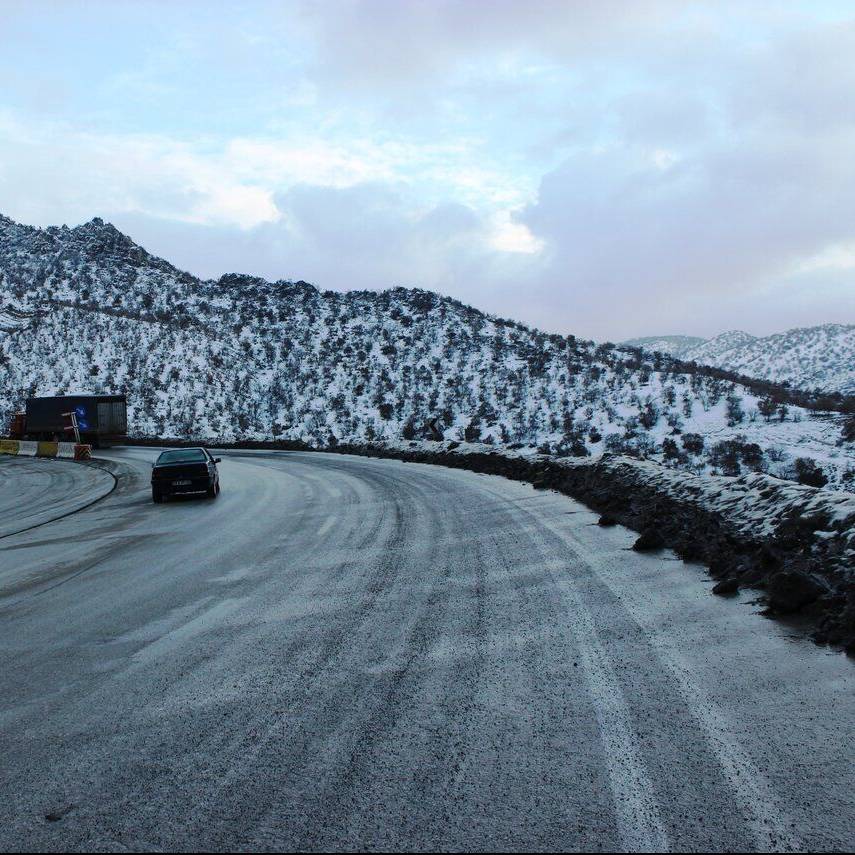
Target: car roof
{"x": 189, "y": 448}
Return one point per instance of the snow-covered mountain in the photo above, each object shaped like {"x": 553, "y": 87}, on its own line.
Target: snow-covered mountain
{"x": 811, "y": 358}
{"x": 87, "y": 310}
{"x": 820, "y": 357}
{"x": 675, "y": 345}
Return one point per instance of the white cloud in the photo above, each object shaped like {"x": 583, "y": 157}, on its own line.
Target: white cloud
{"x": 232, "y": 181}
{"x": 507, "y": 235}
{"x": 311, "y": 162}
{"x": 839, "y": 258}
{"x": 53, "y": 171}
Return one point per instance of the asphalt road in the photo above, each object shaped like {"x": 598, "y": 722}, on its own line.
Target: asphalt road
{"x": 343, "y": 653}
{"x": 32, "y": 493}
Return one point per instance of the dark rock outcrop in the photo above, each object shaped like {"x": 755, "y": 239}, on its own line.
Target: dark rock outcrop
{"x": 650, "y": 540}
{"x": 790, "y": 590}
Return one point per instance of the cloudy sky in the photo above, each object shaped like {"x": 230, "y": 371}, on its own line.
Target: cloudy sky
{"x": 605, "y": 168}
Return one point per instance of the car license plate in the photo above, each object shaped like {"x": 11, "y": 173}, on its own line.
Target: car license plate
{"x": 181, "y": 483}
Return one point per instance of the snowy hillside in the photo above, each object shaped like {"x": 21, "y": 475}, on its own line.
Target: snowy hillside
{"x": 811, "y": 358}
{"x": 807, "y": 358}
{"x": 675, "y": 345}
{"x": 87, "y": 310}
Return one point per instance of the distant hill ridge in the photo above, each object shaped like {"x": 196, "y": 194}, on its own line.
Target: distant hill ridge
{"x": 820, "y": 357}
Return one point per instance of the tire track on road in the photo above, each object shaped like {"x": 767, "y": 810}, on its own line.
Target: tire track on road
{"x": 53, "y": 493}
{"x": 770, "y": 826}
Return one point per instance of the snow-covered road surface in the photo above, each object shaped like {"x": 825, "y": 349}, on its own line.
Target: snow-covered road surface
{"x": 346, "y": 653}
{"x": 34, "y": 494}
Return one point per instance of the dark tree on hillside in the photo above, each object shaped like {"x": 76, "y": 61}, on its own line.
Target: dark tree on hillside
{"x": 809, "y": 473}
{"x": 735, "y": 413}
{"x": 649, "y": 415}
{"x": 693, "y": 443}
{"x": 725, "y": 456}
{"x": 766, "y": 407}
{"x": 472, "y": 432}
{"x": 670, "y": 451}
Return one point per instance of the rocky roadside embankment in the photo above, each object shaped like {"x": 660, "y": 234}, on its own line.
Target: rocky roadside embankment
{"x": 794, "y": 543}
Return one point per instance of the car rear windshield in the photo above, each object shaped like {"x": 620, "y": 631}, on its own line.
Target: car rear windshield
{"x": 183, "y": 455}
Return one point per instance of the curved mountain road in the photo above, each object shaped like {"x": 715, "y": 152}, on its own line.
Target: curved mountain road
{"x": 345, "y": 653}
{"x": 34, "y": 493}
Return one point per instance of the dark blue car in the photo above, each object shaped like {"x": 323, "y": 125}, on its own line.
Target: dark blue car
{"x": 185, "y": 472}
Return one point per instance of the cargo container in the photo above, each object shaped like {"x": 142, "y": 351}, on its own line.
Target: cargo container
{"x": 18, "y": 425}
{"x": 101, "y": 419}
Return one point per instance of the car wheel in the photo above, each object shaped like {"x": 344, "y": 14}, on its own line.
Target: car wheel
{"x": 212, "y": 491}
{"x": 156, "y": 496}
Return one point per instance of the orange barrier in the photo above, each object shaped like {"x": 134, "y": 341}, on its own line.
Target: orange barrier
{"x": 70, "y": 450}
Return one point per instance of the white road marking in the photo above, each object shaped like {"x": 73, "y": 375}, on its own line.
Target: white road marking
{"x": 326, "y": 526}
{"x": 769, "y": 823}
{"x": 639, "y": 824}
